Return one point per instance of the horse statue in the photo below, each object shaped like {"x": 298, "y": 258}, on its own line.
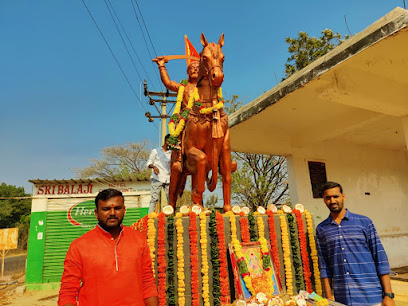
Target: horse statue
{"x": 205, "y": 145}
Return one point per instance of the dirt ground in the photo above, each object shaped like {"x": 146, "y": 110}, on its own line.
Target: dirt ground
{"x": 8, "y": 295}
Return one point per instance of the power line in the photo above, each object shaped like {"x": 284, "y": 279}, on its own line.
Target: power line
{"x": 147, "y": 31}
{"x": 147, "y": 47}
{"x": 123, "y": 41}
{"x": 116, "y": 60}
{"x": 130, "y": 43}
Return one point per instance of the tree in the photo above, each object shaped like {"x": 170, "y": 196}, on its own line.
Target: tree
{"x": 15, "y": 212}
{"x": 211, "y": 201}
{"x": 306, "y": 49}
{"x": 259, "y": 179}
{"x": 124, "y": 162}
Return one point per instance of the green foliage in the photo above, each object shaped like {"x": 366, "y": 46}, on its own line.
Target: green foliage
{"x": 15, "y": 212}
{"x": 305, "y": 49}
{"x": 119, "y": 162}
{"x": 233, "y": 104}
{"x": 259, "y": 179}
{"x": 211, "y": 201}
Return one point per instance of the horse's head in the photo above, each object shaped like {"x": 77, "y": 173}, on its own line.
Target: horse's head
{"x": 211, "y": 62}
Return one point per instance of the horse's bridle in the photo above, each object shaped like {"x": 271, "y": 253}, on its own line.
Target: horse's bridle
{"x": 207, "y": 72}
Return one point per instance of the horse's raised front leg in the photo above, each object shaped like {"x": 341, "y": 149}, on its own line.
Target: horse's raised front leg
{"x": 196, "y": 163}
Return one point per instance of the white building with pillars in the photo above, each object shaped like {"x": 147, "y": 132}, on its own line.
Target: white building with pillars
{"x": 345, "y": 116}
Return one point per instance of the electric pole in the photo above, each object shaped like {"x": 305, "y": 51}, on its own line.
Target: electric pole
{"x": 159, "y": 98}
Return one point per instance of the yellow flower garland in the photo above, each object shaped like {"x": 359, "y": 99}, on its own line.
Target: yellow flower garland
{"x": 237, "y": 248}
{"x": 175, "y": 132}
{"x": 204, "y": 259}
{"x": 286, "y": 254}
{"x": 264, "y": 247}
{"x": 313, "y": 253}
{"x": 151, "y": 237}
{"x": 180, "y": 262}
{"x": 219, "y": 105}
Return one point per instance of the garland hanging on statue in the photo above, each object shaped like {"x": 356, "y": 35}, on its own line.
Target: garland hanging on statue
{"x": 178, "y": 121}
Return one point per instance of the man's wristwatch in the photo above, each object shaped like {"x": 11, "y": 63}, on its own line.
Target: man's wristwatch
{"x": 390, "y": 295}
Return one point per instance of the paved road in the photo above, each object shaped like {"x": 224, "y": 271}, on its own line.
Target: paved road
{"x": 13, "y": 264}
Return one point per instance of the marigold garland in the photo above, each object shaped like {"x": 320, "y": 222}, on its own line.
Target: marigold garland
{"x": 215, "y": 259}
{"x": 178, "y": 119}
{"x": 161, "y": 258}
{"x": 170, "y": 264}
{"x": 313, "y": 253}
{"x": 195, "y": 298}
{"x": 144, "y": 224}
{"x": 286, "y": 254}
{"x": 297, "y": 263}
{"x": 274, "y": 244}
{"x": 244, "y": 229}
{"x": 180, "y": 262}
{"x": 266, "y": 257}
{"x": 252, "y": 230}
{"x": 211, "y": 109}
{"x": 242, "y": 266}
{"x": 303, "y": 251}
{"x": 151, "y": 238}
{"x": 204, "y": 259}
{"x": 224, "y": 282}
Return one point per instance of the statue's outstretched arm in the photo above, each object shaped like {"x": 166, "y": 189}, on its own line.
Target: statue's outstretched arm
{"x": 170, "y": 85}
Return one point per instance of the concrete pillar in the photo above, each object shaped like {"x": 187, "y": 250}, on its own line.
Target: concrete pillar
{"x": 293, "y": 188}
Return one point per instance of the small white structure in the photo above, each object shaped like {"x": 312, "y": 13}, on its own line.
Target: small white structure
{"x": 343, "y": 118}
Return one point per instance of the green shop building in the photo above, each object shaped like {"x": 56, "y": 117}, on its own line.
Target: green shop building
{"x": 63, "y": 210}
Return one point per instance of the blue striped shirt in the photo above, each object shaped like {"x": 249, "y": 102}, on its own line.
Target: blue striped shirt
{"x": 351, "y": 254}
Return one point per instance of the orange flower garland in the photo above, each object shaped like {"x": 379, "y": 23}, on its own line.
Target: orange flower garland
{"x": 161, "y": 258}
{"x": 274, "y": 245}
{"x": 313, "y": 253}
{"x": 303, "y": 250}
{"x": 204, "y": 259}
{"x": 195, "y": 299}
{"x": 151, "y": 238}
{"x": 244, "y": 229}
{"x": 144, "y": 224}
{"x": 224, "y": 282}
{"x": 286, "y": 254}
{"x": 180, "y": 262}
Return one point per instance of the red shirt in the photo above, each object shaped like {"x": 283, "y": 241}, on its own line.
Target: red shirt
{"x": 111, "y": 273}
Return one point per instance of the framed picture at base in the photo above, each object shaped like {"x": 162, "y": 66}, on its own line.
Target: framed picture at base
{"x": 253, "y": 269}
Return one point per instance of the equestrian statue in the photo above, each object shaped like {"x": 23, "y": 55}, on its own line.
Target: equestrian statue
{"x": 199, "y": 129}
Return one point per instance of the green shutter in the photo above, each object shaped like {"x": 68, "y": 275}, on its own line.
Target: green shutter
{"x": 60, "y": 233}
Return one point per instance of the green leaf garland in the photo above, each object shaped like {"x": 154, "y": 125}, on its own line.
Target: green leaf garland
{"x": 252, "y": 230}
{"x": 297, "y": 262}
{"x": 215, "y": 259}
{"x": 170, "y": 264}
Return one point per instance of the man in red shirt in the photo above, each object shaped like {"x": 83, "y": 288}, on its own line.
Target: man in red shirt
{"x": 111, "y": 264}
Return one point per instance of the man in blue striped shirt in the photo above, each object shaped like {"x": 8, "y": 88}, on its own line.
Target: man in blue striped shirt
{"x": 352, "y": 260}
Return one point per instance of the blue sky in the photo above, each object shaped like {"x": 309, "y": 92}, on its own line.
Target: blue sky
{"x": 63, "y": 97}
